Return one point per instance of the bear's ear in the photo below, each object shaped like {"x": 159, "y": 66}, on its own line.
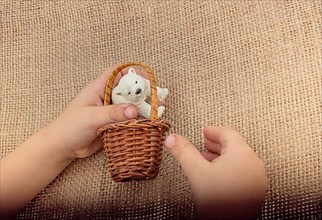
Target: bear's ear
{"x": 132, "y": 71}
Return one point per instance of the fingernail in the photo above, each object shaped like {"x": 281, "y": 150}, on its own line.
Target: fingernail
{"x": 129, "y": 112}
{"x": 170, "y": 141}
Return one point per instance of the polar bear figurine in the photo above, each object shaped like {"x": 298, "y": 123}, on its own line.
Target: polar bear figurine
{"x": 134, "y": 89}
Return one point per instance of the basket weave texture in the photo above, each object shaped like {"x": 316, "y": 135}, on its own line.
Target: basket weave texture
{"x": 134, "y": 148}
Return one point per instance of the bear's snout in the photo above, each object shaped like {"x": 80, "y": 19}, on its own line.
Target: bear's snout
{"x": 138, "y": 91}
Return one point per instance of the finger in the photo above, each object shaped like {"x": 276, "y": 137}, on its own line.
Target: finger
{"x": 213, "y": 147}
{"x": 209, "y": 156}
{"x": 91, "y": 149}
{"x": 186, "y": 154}
{"x": 117, "y": 79}
{"x": 224, "y": 136}
{"x": 103, "y": 115}
{"x": 94, "y": 92}
{"x": 100, "y": 82}
{"x": 161, "y": 103}
{"x": 96, "y": 145}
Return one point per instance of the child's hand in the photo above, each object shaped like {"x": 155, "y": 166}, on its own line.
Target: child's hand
{"x": 39, "y": 159}
{"x": 228, "y": 181}
{"x": 77, "y": 126}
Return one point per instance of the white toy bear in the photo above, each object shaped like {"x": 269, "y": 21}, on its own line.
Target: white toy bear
{"x": 134, "y": 89}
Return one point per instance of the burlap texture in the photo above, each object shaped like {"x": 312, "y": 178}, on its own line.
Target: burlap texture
{"x": 252, "y": 65}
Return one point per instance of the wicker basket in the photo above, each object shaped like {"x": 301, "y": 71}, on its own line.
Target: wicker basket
{"x": 134, "y": 148}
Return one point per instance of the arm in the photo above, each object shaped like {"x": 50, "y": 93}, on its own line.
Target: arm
{"x": 30, "y": 168}
{"x": 37, "y": 161}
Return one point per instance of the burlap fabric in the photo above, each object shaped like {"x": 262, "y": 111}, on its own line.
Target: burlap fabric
{"x": 252, "y": 65}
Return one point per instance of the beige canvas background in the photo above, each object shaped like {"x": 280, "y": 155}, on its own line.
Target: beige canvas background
{"x": 251, "y": 65}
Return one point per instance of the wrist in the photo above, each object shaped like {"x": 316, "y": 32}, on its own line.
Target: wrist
{"x": 55, "y": 143}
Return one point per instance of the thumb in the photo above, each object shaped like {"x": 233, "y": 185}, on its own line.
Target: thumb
{"x": 190, "y": 159}
{"x": 112, "y": 113}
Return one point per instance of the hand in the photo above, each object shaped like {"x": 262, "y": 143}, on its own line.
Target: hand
{"x": 77, "y": 126}
{"x": 38, "y": 160}
{"x": 228, "y": 181}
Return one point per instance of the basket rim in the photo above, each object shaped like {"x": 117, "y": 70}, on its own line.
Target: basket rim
{"x": 137, "y": 124}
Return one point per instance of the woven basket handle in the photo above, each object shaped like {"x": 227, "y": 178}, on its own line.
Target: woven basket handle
{"x": 154, "y": 97}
